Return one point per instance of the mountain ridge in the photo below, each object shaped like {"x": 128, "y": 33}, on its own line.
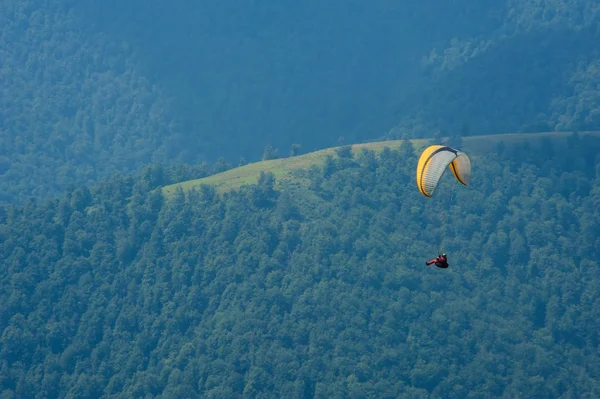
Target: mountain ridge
{"x": 283, "y": 168}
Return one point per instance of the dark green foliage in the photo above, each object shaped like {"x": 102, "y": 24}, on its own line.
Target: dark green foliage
{"x": 263, "y": 193}
{"x": 344, "y": 151}
{"x": 534, "y": 72}
{"x": 319, "y": 292}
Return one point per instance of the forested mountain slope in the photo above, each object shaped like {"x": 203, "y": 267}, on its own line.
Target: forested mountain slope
{"x": 74, "y": 105}
{"x": 318, "y": 292}
{"x": 537, "y": 70}
{"x": 88, "y": 88}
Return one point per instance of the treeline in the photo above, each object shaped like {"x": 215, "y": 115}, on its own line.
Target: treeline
{"x": 317, "y": 290}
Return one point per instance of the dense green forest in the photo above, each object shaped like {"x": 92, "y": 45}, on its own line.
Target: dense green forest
{"x": 314, "y": 286}
{"x": 91, "y": 88}
{"x": 536, "y": 71}
{"x": 316, "y": 290}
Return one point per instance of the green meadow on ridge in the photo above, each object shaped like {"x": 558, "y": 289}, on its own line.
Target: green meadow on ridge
{"x": 283, "y": 169}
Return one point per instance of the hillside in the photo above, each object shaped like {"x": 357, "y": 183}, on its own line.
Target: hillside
{"x": 535, "y": 70}
{"x": 89, "y": 89}
{"x": 321, "y": 292}
{"x": 75, "y": 104}
{"x": 284, "y": 169}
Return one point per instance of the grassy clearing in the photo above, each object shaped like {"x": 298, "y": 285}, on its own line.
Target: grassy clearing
{"x": 283, "y": 168}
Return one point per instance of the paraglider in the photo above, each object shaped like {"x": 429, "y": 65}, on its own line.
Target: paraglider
{"x": 433, "y": 162}
{"x": 441, "y": 261}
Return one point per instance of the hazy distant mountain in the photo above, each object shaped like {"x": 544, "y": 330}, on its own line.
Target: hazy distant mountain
{"x": 90, "y": 88}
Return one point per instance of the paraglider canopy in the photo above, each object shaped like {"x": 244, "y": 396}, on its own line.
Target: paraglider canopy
{"x": 433, "y": 163}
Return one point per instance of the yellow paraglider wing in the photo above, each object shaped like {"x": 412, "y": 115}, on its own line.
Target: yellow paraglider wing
{"x": 461, "y": 168}
{"x": 433, "y": 163}
{"x": 423, "y": 169}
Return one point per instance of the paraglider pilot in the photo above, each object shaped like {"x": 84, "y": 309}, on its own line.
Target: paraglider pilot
{"x": 441, "y": 261}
